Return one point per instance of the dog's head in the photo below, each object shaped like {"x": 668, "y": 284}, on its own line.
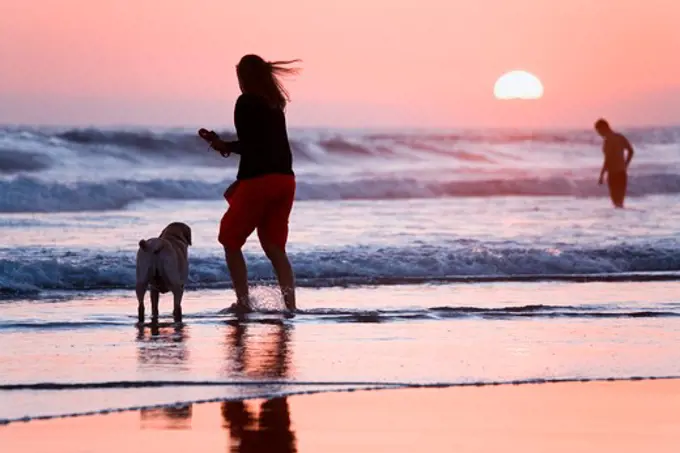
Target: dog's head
{"x": 178, "y": 230}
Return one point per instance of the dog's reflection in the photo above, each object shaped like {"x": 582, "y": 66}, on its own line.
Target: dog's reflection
{"x": 177, "y": 417}
{"x": 163, "y": 346}
{"x": 263, "y": 353}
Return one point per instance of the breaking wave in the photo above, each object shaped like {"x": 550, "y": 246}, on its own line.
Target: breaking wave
{"x": 23, "y": 273}
{"x": 96, "y": 169}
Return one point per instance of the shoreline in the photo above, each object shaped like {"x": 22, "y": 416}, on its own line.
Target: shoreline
{"x": 317, "y": 388}
{"x": 631, "y": 416}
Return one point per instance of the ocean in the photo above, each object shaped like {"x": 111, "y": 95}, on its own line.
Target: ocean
{"x": 423, "y": 258}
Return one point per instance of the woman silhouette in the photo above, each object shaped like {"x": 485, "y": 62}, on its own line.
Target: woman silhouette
{"x": 262, "y": 197}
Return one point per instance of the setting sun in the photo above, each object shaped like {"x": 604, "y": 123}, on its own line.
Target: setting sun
{"x": 518, "y": 85}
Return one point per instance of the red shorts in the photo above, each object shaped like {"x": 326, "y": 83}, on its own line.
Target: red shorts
{"x": 263, "y": 203}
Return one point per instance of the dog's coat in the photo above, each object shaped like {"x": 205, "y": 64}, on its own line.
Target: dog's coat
{"x": 163, "y": 266}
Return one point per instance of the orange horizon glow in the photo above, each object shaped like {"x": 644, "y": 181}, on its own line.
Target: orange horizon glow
{"x": 397, "y": 63}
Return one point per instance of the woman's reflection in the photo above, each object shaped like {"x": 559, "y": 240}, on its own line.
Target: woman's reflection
{"x": 262, "y": 353}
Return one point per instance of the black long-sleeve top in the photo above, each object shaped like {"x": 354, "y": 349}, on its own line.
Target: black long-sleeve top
{"x": 262, "y": 139}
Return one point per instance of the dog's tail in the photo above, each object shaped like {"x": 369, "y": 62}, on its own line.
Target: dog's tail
{"x": 151, "y": 246}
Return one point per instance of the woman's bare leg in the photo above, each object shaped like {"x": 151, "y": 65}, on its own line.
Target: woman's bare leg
{"x": 284, "y": 273}
{"x": 238, "y": 270}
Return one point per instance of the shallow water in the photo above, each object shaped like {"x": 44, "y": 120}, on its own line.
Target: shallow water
{"x": 364, "y": 336}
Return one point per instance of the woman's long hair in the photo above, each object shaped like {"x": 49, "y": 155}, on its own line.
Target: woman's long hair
{"x": 257, "y": 76}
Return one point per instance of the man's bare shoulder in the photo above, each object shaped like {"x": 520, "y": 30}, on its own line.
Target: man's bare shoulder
{"x": 617, "y": 140}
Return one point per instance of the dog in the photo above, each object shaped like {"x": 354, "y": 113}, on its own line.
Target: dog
{"x": 162, "y": 266}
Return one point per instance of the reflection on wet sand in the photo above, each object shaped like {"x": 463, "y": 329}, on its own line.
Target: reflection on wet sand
{"x": 176, "y": 417}
{"x": 264, "y": 355}
{"x": 254, "y": 351}
{"x": 270, "y": 431}
{"x": 257, "y": 351}
{"x": 159, "y": 346}
{"x": 596, "y": 417}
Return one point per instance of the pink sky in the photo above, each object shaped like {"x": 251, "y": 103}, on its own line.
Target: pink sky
{"x": 367, "y": 63}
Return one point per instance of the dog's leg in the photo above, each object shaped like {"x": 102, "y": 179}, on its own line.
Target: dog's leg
{"x": 177, "y": 293}
{"x": 154, "y": 295}
{"x": 141, "y": 292}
